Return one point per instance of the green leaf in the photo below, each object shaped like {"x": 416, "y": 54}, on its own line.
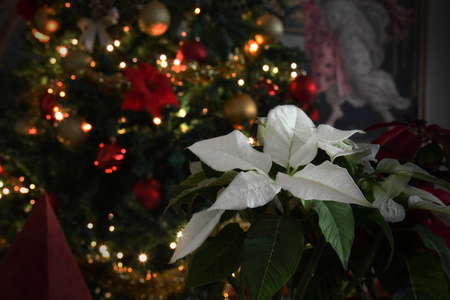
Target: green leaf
{"x": 337, "y": 224}
{"x": 218, "y": 258}
{"x": 427, "y": 277}
{"x": 207, "y": 188}
{"x": 433, "y": 242}
{"x": 392, "y": 166}
{"x": 272, "y": 252}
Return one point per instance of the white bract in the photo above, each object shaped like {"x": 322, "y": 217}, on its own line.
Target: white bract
{"x": 291, "y": 140}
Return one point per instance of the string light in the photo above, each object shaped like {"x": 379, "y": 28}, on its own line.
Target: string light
{"x": 117, "y": 43}
{"x": 293, "y": 65}
{"x": 126, "y": 29}
{"x": 197, "y": 10}
{"x": 241, "y": 82}
{"x": 119, "y": 255}
{"x": 67, "y": 4}
{"x": 181, "y": 113}
{"x": 111, "y": 228}
{"x": 110, "y": 48}
{"x": 275, "y": 70}
{"x": 90, "y": 225}
{"x": 93, "y": 243}
{"x": 40, "y": 36}
{"x": 173, "y": 245}
{"x": 179, "y": 234}
{"x": 157, "y": 121}
{"x": 62, "y": 94}
{"x": 62, "y": 51}
{"x": 294, "y": 74}
{"x": 265, "y": 68}
{"x": 142, "y": 257}
{"x": 86, "y": 127}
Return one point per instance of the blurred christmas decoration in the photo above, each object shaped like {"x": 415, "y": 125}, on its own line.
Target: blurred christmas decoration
{"x": 72, "y": 132}
{"x": 270, "y": 29}
{"x": 150, "y": 90}
{"x": 193, "y": 51}
{"x": 48, "y": 104}
{"x": 240, "y": 110}
{"x": 148, "y": 192}
{"x": 109, "y": 157}
{"x": 39, "y": 264}
{"x": 154, "y": 18}
{"x": 76, "y": 60}
{"x": 302, "y": 89}
{"x": 44, "y": 21}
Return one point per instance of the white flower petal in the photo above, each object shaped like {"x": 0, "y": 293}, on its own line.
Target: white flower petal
{"x": 304, "y": 154}
{"x": 424, "y": 195}
{"x": 389, "y": 209}
{"x": 196, "y": 232}
{"x": 323, "y": 182}
{"x": 327, "y": 133}
{"x": 247, "y": 190}
{"x": 231, "y": 151}
{"x": 279, "y": 139}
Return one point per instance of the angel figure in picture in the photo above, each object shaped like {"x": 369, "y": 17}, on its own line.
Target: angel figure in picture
{"x": 344, "y": 40}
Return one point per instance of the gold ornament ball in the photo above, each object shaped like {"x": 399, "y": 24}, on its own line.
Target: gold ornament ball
{"x": 154, "y": 18}
{"x": 76, "y": 60}
{"x": 71, "y": 132}
{"x": 270, "y": 27}
{"x": 240, "y": 109}
{"x": 44, "y": 22}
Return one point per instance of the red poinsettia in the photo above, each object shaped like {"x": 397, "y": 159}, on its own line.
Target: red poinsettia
{"x": 150, "y": 90}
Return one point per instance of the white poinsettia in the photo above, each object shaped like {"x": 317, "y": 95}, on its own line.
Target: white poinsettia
{"x": 253, "y": 187}
{"x": 420, "y": 199}
{"x": 292, "y": 139}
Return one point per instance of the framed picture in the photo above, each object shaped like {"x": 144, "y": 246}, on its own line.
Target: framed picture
{"x": 367, "y": 57}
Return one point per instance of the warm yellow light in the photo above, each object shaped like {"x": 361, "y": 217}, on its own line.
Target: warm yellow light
{"x": 294, "y": 74}
{"x": 32, "y": 130}
{"x": 111, "y": 228}
{"x": 62, "y": 51}
{"x": 294, "y": 66}
{"x": 173, "y": 245}
{"x": 32, "y": 202}
{"x": 59, "y": 115}
{"x": 119, "y": 255}
{"x": 32, "y": 186}
{"x": 157, "y": 121}
{"x": 40, "y": 36}
{"x": 5, "y": 191}
{"x": 134, "y": 59}
{"x": 74, "y": 42}
{"x": 92, "y": 64}
{"x": 183, "y": 33}
{"x": 275, "y": 70}
{"x": 52, "y": 60}
{"x": 179, "y": 234}
{"x": 184, "y": 127}
{"x": 265, "y": 68}
{"x": 24, "y": 190}
{"x": 1, "y": 184}
{"x": 62, "y": 94}
{"x": 251, "y": 140}
{"x": 110, "y": 48}
{"x": 253, "y": 47}
{"x": 181, "y": 113}
{"x": 117, "y": 43}
{"x": 163, "y": 57}
{"x": 259, "y": 39}
{"x": 90, "y": 225}
{"x": 93, "y": 243}
{"x": 204, "y": 111}
{"x": 241, "y": 82}
{"x": 103, "y": 248}
{"x": 86, "y": 127}
{"x": 197, "y": 10}
{"x": 126, "y": 29}
{"x": 164, "y": 64}
{"x": 142, "y": 257}
{"x": 51, "y": 26}
{"x": 176, "y": 62}
{"x": 50, "y": 90}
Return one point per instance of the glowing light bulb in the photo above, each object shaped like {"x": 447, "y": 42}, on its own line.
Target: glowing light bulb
{"x": 265, "y": 68}
{"x": 163, "y": 57}
{"x": 181, "y": 113}
{"x": 111, "y": 228}
{"x": 119, "y": 255}
{"x": 122, "y": 65}
{"x": 142, "y": 257}
{"x": 110, "y": 48}
{"x": 294, "y": 66}
{"x": 173, "y": 245}
{"x": 52, "y": 60}
{"x": 241, "y": 82}
{"x": 164, "y": 64}
{"x": 197, "y": 10}
{"x": 117, "y": 43}
{"x": 179, "y": 234}
{"x": 62, "y": 51}
{"x": 294, "y": 74}
{"x": 90, "y": 225}
{"x": 86, "y": 127}
{"x": 157, "y": 121}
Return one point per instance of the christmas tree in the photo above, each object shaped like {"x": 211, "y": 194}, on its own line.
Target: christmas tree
{"x": 113, "y": 93}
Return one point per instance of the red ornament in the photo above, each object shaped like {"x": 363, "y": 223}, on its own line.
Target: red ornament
{"x": 194, "y": 51}
{"x": 302, "y": 89}
{"x": 54, "y": 200}
{"x": 109, "y": 157}
{"x": 266, "y": 86}
{"x": 150, "y": 89}
{"x": 148, "y": 192}
{"x": 48, "y": 103}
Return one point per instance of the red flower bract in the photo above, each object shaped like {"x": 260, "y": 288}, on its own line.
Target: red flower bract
{"x": 150, "y": 89}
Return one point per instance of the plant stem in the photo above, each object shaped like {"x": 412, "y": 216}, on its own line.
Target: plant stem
{"x": 363, "y": 267}
{"x": 310, "y": 269}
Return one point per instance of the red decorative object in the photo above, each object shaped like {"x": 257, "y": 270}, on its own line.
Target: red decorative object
{"x": 148, "y": 192}
{"x": 48, "y": 103}
{"x": 54, "y": 201}
{"x": 39, "y": 264}
{"x": 150, "y": 90}
{"x": 27, "y": 8}
{"x": 194, "y": 51}
{"x": 265, "y": 86}
{"x": 109, "y": 157}
{"x": 302, "y": 89}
